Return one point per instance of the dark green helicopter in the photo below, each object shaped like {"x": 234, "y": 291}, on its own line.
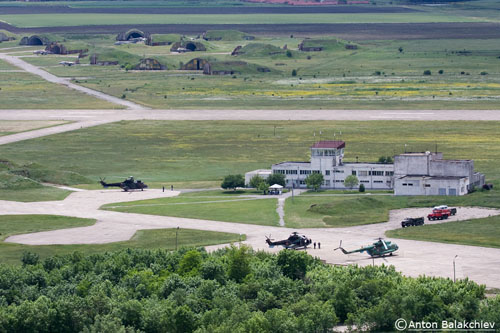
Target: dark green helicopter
{"x": 128, "y": 184}
{"x": 380, "y": 248}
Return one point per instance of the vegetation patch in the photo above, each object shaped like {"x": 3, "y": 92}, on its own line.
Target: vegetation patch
{"x": 23, "y": 182}
{"x": 230, "y": 290}
{"x": 477, "y": 232}
{"x": 260, "y": 50}
{"x": 163, "y": 152}
{"x": 344, "y": 211}
{"x": 252, "y": 211}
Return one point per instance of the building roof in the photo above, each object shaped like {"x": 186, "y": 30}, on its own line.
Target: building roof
{"x": 295, "y": 162}
{"x": 329, "y": 144}
{"x": 432, "y": 177}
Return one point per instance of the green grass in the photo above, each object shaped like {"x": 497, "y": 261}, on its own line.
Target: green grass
{"x": 44, "y": 193}
{"x": 199, "y": 151}
{"x": 345, "y": 211}
{"x": 147, "y": 239}
{"x": 16, "y": 126}
{"x": 375, "y": 76}
{"x": 6, "y": 66}
{"x": 480, "y": 232}
{"x": 251, "y": 211}
{"x": 49, "y": 20}
{"x": 27, "y": 91}
{"x": 226, "y": 194}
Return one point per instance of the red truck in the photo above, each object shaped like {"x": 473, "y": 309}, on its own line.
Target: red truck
{"x": 441, "y": 213}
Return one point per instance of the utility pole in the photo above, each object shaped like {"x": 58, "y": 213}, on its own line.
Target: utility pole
{"x": 454, "y": 279}
{"x": 176, "y": 237}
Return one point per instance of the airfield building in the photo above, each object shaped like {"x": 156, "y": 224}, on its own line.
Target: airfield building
{"x": 429, "y": 174}
{"x": 411, "y": 174}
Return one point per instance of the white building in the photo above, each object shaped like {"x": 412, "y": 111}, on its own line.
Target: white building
{"x": 327, "y": 159}
{"x": 429, "y": 174}
{"x": 411, "y": 174}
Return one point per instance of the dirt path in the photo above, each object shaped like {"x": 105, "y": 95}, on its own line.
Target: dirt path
{"x": 414, "y": 257}
{"x": 16, "y": 61}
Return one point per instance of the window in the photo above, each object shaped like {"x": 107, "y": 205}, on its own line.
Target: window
{"x": 410, "y": 184}
{"x": 339, "y": 171}
{"x": 375, "y": 173}
{"x": 389, "y": 173}
{"x": 339, "y": 181}
{"x": 305, "y": 172}
{"x": 378, "y": 181}
{"x": 316, "y": 171}
{"x": 364, "y": 181}
{"x": 427, "y": 185}
{"x": 291, "y": 172}
{"x": 354, "y": 172}
{"x": 326, "y": 183}
{"x": 404, "y": 184}
{"x": 302, "y": 182}
{"x": 279, "y": 171}
{"x": 327, "y": 172}
{"x": 363, "y": 173}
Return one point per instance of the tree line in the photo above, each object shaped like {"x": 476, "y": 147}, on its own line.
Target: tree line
{"x": 231, "y": 290}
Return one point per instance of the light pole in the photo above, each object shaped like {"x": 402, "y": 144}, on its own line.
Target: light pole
{"x": 176, "y": 235}
{"x": 454, "y": 268}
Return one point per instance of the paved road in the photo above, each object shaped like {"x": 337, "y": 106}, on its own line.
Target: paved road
{"x": 88, "y": 118}
{"x": 16, "y": 61}
{"x": 413, "y": 259}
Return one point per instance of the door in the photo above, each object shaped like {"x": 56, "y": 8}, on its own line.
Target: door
{"x": 442, "y": 191}
{"x": 452, "y": 191}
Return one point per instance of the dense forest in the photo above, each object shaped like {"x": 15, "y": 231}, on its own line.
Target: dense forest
{"x": 231, "y": 290}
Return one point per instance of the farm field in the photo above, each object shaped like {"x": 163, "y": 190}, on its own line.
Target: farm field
{"x": 243, "y": 210}
{"x": 459, "y": 74}
{"x": 478, "y": 232}
{"x": 50, "y": 20}
{"x": 184, "y": 151}
{"x": 146, "y": 239}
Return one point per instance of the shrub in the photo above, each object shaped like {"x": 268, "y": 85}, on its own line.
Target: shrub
{"x": 440, "y": 71}
{"x": 294, "y": 72}
{"x": 427, "y": 72}
{"x": 361, "y": 188}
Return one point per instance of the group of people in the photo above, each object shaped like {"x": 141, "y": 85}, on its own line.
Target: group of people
{"x": 319, "y": 245}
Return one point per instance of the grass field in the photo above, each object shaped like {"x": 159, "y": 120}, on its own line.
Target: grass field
{"x": 479, "y": 232}
{"x": 146, "y": 239}
{"x": 42, "y": 193}
{"x": 26, "y": 91}
{"x": 305, "y": 212}
{"x": 13, "y": 126}
{"x": 252, "y": 211}
{"x": 49, "y": 20}
{"x": 464, "y": 75}
{"x": 198, "y": 151}
{"x": 6, "y": 66}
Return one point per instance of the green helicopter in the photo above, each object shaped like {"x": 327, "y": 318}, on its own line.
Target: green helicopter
{"x": 380, "y": 248}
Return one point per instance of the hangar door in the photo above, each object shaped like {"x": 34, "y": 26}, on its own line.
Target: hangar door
{"x": 452, "y": 191}
{"x": 442, "y": 191}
